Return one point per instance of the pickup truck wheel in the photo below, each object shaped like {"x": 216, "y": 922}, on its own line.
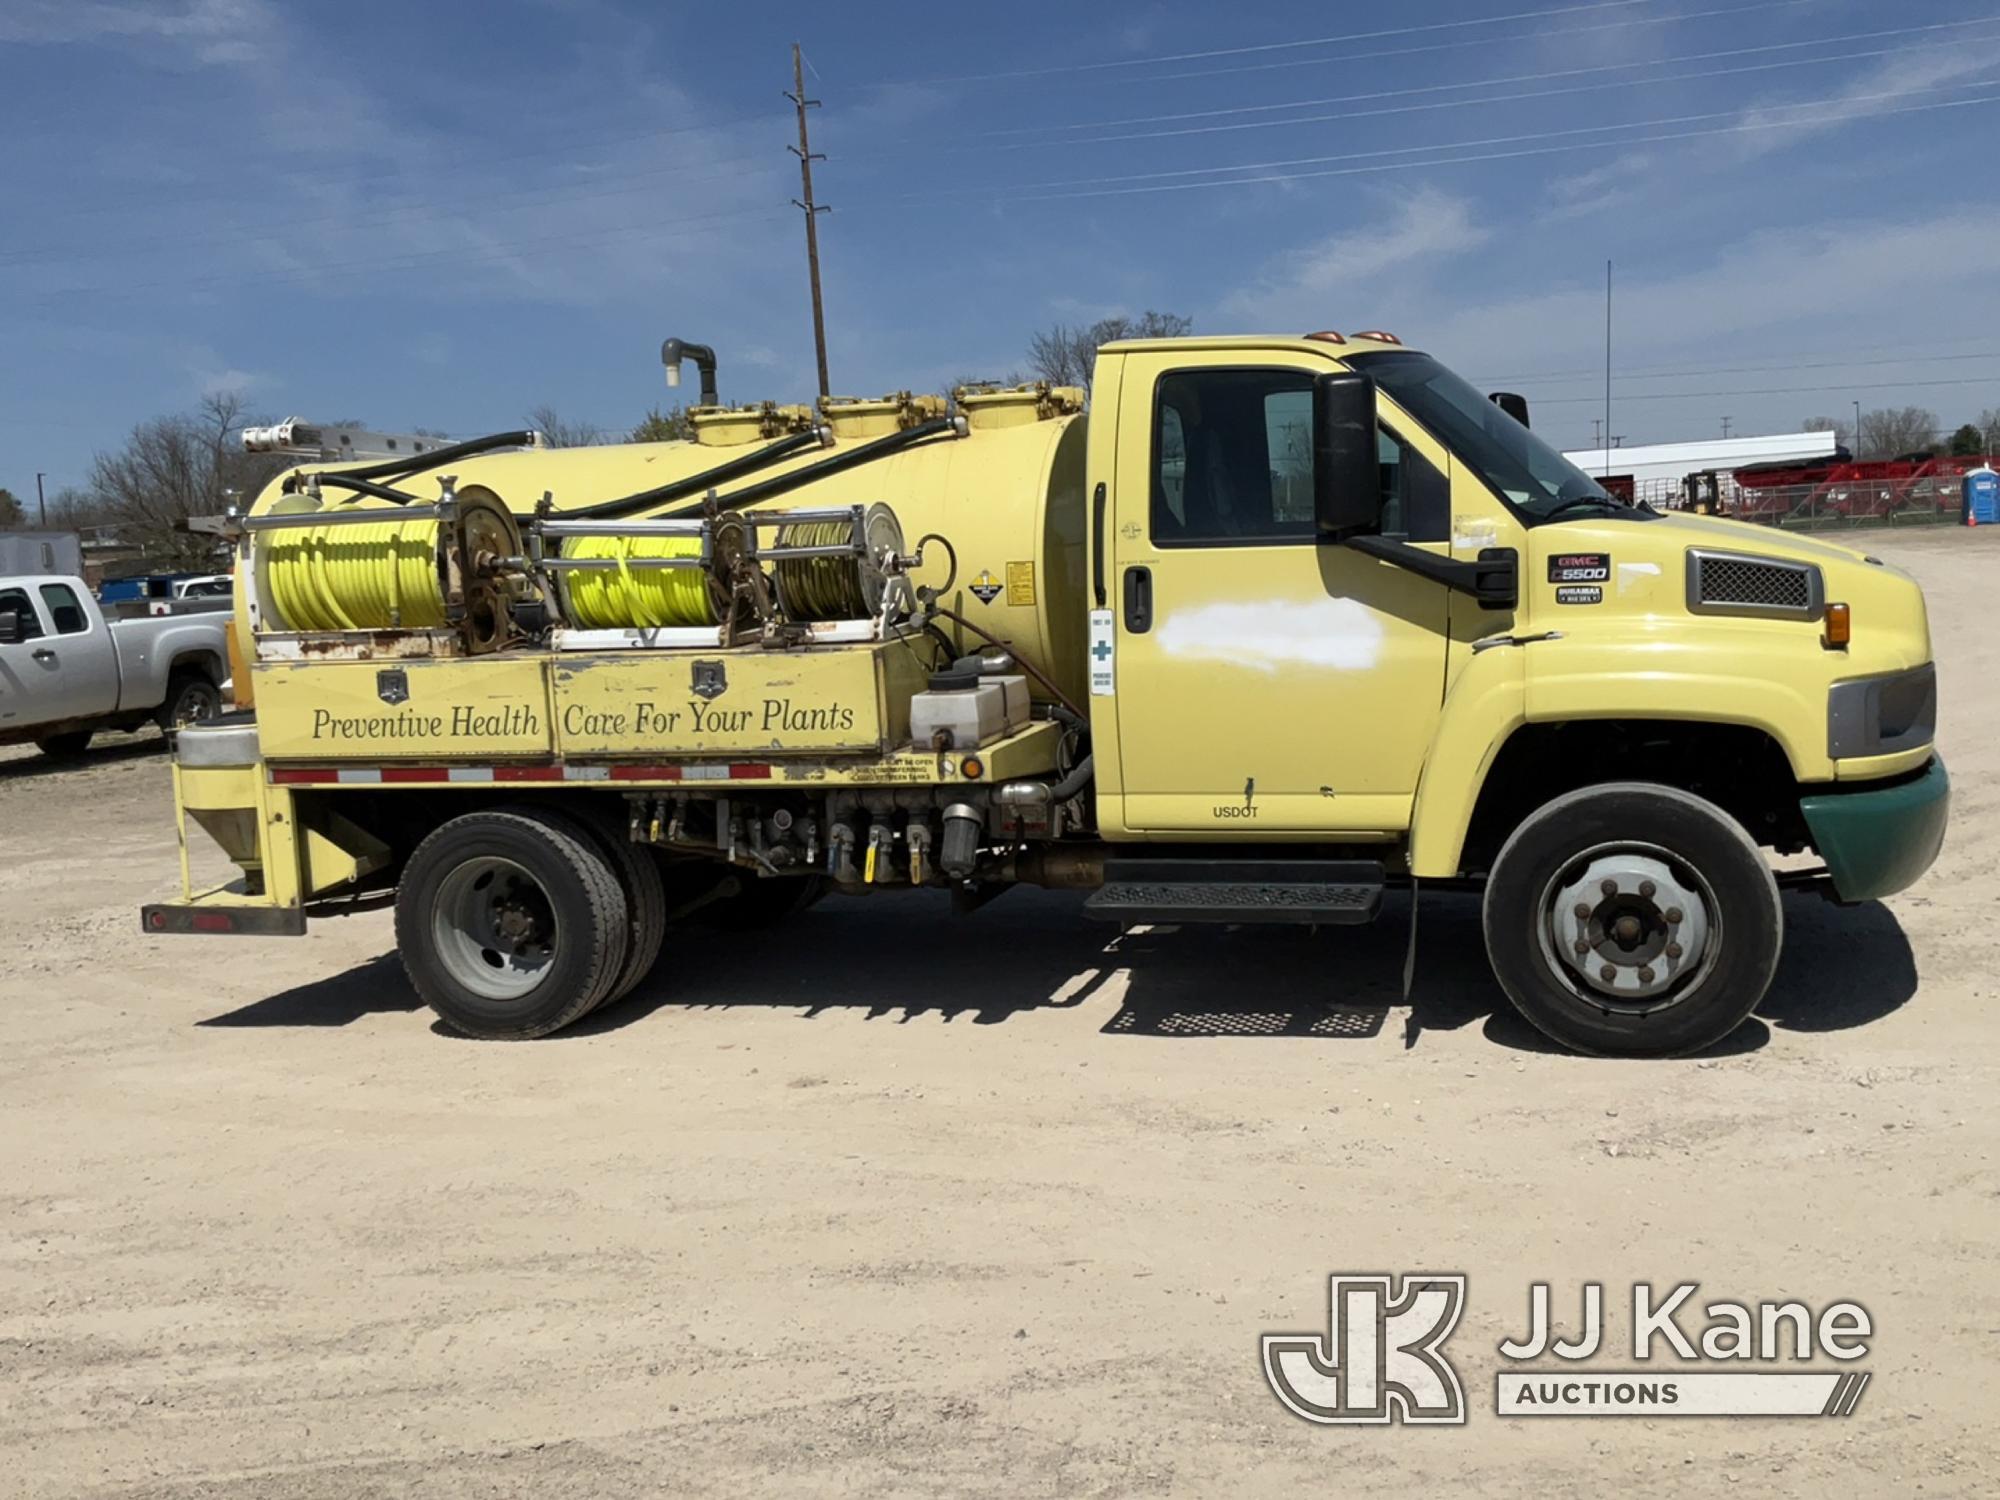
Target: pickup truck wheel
{"x": 511, "y": 924}
{"x": 1633, "y": 920}
{"x": 191, "y": 699}
{"x": 65, "y": 746}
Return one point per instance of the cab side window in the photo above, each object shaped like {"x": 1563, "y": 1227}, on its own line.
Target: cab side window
{"x": 64, "y": 612}
{"x": 16, "y": 602}
{"x": 1232, "y": 458}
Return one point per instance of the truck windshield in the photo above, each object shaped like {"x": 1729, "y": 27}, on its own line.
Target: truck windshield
{"x": 1534, "y": 478}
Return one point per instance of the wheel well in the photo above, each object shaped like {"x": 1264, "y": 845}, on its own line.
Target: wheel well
{"x": 1741, "y": 770}
{"x": 207, "y": 663}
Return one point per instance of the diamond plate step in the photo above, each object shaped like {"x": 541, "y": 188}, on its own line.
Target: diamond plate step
{"x": 1343, "y": 892}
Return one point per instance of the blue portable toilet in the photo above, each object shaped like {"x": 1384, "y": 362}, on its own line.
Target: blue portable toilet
{"x": 1982, "y": 498}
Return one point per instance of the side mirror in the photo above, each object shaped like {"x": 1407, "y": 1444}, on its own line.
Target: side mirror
{"x": 1515, "y": 406}
{"x": 1347, "y": 475}
{"x": 10, "y": 626}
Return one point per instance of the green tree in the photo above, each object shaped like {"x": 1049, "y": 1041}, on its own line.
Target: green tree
{"x": 671, "y": 425}
{"x": 1968, "y": 442}
{"x": 11, "y": 513}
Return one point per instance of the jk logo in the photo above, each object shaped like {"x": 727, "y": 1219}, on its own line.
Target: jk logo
{"x": 1378, "y": 1360}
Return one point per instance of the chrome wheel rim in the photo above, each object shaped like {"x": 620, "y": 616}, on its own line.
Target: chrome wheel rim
{"x": 1628, "y": 927}
{"x": 494, "y": 928}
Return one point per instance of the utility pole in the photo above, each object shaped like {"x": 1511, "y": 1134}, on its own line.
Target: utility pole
{"x": 41, "y": 502}
{"x": 1607, "y": 366}
{"x": 1725, "y": 427}
{"x": 1857, "y": 429}
{"x": 804, "y": 152}
{"x": 1597, "y": 432}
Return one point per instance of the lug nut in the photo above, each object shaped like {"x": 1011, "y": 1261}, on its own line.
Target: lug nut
{"x": 1673, "y": 950}
{"x": 1646, "y": 889}
{"x": 1582, "y": 911}
{"x": 1582, "y": 948}
{"x": 1673, "y": 914}
{"x": 1645, "y": 976}
{"x": 1607, "y": 974}
{"x": 1609, "y": 887}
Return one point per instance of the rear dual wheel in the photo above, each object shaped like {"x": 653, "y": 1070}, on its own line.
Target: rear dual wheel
{"x": 515, "y": 923}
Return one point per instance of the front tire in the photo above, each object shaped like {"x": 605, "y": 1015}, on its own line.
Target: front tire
{"x": 1633, "y": 920}
{"x": 511, "y": 924}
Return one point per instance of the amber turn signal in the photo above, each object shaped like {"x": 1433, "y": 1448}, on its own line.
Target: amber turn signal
{"x": 971, "y": 768}
{"x": 1838, "y": 626}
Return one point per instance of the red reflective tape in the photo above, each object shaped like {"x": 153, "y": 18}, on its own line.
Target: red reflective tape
{"x": 302, "y": 778}
{"x": 213, "y": 921}
{"x": 404, "y": 774}
{"x": 750, "y": 773}
{"x": 527, "y": 773}
{"x": 645, "y": 773}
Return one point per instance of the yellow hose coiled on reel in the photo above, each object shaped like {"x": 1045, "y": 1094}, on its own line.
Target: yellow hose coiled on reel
{"x": 361, "y": 577}
{"x": 820, "y": 588}
{"x": 614, "y": 598}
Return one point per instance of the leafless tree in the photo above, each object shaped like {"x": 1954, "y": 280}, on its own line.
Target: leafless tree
{"x": 1988, "y": 423}
{"x": 662, "y": 426}
{"x": 1843, "y": 432}
{"x": 1063, "y": 354}
{"x": 11, "y": 514}
{"x": 562, "y": 432}
{"x": 175, "y": 467}
{"x": 1893, "y": 431}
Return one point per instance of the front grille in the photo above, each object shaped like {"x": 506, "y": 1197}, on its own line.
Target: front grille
{"x": 1729, "y": 583}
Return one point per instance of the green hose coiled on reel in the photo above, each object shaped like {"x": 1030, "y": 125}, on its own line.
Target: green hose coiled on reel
{"x": 819, "y": 588}
{"x": 612, "y": 598}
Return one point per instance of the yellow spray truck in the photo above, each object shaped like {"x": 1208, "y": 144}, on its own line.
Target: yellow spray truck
{"x": 1277, "y": 624}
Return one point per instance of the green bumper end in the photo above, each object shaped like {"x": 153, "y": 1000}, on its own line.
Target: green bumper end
{"x": 1878, "y": 841}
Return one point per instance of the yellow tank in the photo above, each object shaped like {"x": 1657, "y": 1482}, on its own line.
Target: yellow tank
{"x": 1008, "y": 498}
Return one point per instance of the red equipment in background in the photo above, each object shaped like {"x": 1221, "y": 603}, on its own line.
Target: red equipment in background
{"x": 1917, "y": 485}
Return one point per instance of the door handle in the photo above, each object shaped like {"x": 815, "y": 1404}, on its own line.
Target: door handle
{"x": 43, "y": 653}
{"x": 1138, "y": 600}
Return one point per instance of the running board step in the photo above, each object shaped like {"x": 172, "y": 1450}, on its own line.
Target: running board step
{"x": 1343, "y": 892}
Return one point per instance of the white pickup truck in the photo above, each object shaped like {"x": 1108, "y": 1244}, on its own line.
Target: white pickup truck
{"x": 67, "y": 671}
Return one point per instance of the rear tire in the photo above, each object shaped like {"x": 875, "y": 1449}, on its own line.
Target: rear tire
{"x": 645, "y": 906}
{"x": 65, "y": 746}
{"x": 1633, "y": 920}
{"x": 191, "y": 699}
{"x": 511, "y": 924}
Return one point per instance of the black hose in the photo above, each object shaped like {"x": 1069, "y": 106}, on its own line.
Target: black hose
{"x": 840, "y": 463}
{"x": 1078, "y": 778}
{"x": 365, "y": 487}
{"x": 416, "y": 463}
{"x": 695, "y": 484}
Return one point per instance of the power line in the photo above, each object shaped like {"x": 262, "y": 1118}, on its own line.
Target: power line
{"x": 1671, "y": 371}
{"x": 1032, "y": 192}
{"x": 1564, "y": 32}
{"x": 1477, "y": 83}
{"x": 1318, "y": 41}
{"x": 1786, "y": 390}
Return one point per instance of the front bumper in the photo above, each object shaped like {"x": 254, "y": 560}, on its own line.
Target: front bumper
{"x": 1878, "y": 840}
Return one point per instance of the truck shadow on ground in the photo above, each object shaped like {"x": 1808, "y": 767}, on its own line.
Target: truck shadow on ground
{"x": 1031, "y": 951}
{"x": 908, "y": 960}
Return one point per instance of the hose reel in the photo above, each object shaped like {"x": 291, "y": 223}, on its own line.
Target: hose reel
{"x": 354, "y": 567}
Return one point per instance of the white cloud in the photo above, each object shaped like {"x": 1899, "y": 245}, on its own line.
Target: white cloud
{"x": 1425, "y": 226}
{"x": 1901, "y": 79}
{"x": 211, "y": 31}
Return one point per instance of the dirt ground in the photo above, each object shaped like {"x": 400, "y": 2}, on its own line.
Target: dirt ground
{"x": 903, "y": 1204}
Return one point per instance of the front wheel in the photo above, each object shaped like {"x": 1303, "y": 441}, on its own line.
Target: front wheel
{"x": 1633, "y": 920}
{"x": 511, "y": 924}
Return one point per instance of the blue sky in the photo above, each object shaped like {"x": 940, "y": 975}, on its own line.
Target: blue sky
{"x": 444, "y": 214}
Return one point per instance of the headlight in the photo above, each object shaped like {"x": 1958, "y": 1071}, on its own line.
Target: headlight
{"x": 1882, "y": 715}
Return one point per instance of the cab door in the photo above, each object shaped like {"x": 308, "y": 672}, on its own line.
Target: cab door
{"x": 64, "y": 666}
{"x": 1267, "y": 683}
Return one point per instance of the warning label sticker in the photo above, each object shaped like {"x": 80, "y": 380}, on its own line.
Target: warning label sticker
{"x": 1102, "y": 683}
{"x": 1021, "y": 583}
{"x": 986, "y": 586}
